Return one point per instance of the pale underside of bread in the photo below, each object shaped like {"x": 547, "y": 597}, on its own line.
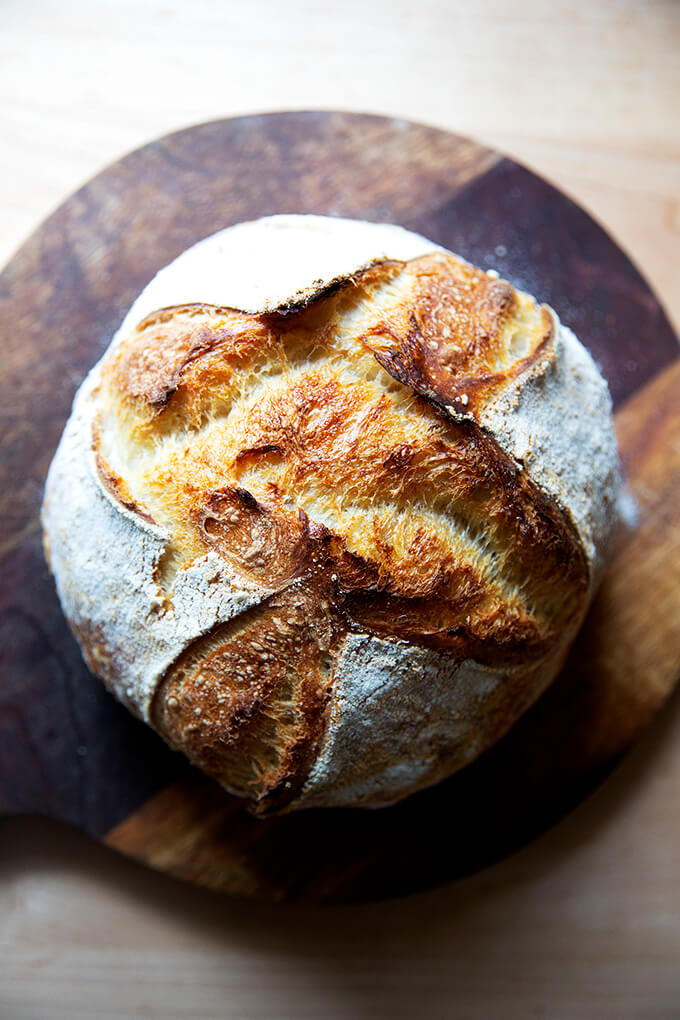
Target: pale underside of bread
{"x": 294, "y": 633}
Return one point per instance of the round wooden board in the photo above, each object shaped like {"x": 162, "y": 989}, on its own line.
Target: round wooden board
{"x": 68, "y": 750}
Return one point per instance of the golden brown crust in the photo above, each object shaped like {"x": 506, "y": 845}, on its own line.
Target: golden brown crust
{"x": 111, "y": 482}
{"x": 315, "y": 453}
{"x": 182, "y": 336}
{"x": 462, "y": 336}
{"x": 246, "y": 702}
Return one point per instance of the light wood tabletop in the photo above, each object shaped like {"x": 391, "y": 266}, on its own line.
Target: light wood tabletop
{"x": 584, "y": 922}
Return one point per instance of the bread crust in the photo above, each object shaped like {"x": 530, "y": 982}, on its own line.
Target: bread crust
{"x": 337, "y": 541}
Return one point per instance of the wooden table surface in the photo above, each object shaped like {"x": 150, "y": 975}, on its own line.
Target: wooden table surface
{"x": 583, "y": 923}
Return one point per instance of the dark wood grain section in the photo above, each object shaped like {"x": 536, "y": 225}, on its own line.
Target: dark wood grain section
{"x": 68, "y": 750}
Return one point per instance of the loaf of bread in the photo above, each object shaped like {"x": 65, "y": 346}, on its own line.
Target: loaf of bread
{"x": 331, "y": 508}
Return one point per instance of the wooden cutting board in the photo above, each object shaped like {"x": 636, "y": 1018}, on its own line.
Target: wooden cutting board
{"x": 69, "y": 751}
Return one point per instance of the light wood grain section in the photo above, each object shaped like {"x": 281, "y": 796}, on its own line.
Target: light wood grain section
{"x": 586, "y": 93}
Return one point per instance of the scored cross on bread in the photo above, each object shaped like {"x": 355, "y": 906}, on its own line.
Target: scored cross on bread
{"x": 395, "y": 482}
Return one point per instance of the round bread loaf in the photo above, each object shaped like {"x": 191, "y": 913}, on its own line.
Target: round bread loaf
{"x": 331, "y": 508}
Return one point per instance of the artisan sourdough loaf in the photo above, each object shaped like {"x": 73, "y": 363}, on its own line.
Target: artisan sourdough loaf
{"x": 331, "y": 508}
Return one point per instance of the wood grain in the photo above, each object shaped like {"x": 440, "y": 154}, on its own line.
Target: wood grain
{"x": 67, "y": 750}
{"x": 584, "y": 93}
